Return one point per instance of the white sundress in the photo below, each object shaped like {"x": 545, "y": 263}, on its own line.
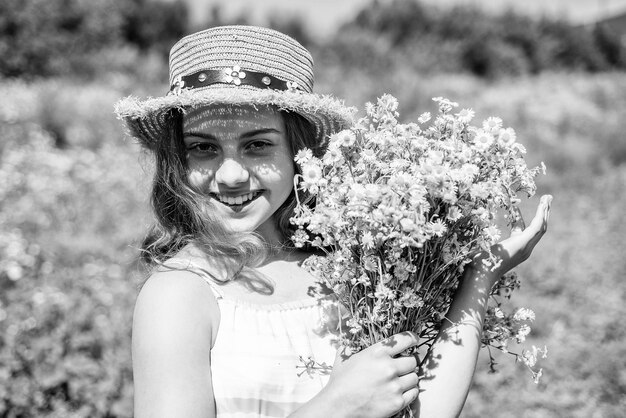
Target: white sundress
{"x": 267, "y": 360}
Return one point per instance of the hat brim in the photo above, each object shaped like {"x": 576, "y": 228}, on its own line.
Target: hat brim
{"x": 147, "y": 120}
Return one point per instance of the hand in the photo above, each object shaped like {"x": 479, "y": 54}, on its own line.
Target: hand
{"x": 517, "y": 248}
{"x": 375, "y": 382}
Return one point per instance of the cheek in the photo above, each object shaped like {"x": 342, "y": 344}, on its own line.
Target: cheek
{"x": 277, "y": 169}
{"x": 287, "y": 166}
{"x": 199, "y": 178}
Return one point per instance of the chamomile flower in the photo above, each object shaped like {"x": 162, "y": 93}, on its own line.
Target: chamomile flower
{"x": 368, "y": 154}
{"x": 483, "y": 140}
{"x": 367, "y": 239}
{"x": 465, "y": 115}
{"x": 388, "y": 102}
{"x": 311, "y": 175}
{"x": 437, "y": 227}
{"x": 346, "y": 138}
{"x": 469, "y": 171}
{"x": 506, "y": 137}
{"x": 333, "y": 155}
{"x": 492, "y": 124}
{"x": 303, "y": 156}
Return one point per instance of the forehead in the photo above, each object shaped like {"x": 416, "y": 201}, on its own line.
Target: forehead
{"x": 231, "y": 117}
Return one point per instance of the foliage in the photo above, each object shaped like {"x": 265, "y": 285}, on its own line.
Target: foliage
{"x": 475, "y": 41}
{"x": 64, "y": 346}
{"x": 151, "y": 24}
{"x": 40, "y": 38}
{"x": 69, "y": 218}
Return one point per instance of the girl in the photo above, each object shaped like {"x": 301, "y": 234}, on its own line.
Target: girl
{"x": 226, "y": 326}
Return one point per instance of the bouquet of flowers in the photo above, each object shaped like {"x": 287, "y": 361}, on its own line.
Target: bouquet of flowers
{"x": 399, "y": 210}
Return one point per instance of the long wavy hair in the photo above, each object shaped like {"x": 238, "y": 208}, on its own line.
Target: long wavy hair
{"x": 183, "y": 215}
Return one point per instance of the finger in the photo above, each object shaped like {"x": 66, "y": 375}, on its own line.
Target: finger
{"x": 537, "y": 228}
{"x": 548, "y": 200}
{"x": 408, "y": 381}
{"x": 410, "y": 396}
{"x": 539, "y": 223}
{"x": 405, "y": 364}
{"x": 397, "y": 343}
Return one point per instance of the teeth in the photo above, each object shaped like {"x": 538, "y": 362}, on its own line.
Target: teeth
{"x": 236, "y": 200}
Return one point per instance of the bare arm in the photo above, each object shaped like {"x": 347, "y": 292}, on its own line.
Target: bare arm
{"x": 450, "y": 365}
{"x": 172, "y": 338}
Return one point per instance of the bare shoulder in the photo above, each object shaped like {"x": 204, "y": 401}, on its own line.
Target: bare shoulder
{"x": 173, "y": 332}
{"x": 172, "y": 301}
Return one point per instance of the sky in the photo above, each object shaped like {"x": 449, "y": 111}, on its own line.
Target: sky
{"x": 322, "y": 17}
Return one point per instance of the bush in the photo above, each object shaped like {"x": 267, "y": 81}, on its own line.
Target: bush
{"x": 493, "y": 58}
{"x": 68, "y": 274}
{"x": 65, "y": 335}
{"x": 39, "y": 38}
{"x": 488, "y": 45}
{"x": 71, "y": 216}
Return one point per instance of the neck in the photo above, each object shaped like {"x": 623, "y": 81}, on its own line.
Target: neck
{"x": 269, "y": 232}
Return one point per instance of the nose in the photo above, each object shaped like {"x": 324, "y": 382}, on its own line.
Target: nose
{"x": 231, "y": 173}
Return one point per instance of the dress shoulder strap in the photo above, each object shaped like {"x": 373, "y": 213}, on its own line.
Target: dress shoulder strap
{"x": 195, "y": 268}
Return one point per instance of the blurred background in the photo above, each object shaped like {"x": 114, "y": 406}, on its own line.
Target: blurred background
{"x": 74, "y": 189}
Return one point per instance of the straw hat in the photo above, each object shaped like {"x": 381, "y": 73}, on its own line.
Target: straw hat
{"x": 236, "y": 65}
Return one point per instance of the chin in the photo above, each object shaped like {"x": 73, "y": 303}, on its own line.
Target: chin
{"x": 242, "y": 227}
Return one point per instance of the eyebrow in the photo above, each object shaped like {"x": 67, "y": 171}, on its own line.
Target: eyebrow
{"x": 245, "y": 135}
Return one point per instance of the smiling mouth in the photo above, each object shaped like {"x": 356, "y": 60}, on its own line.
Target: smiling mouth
{"x": 237, "y": 202}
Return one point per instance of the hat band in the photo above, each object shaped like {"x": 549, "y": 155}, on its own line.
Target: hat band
{"x": 231, "y": 75}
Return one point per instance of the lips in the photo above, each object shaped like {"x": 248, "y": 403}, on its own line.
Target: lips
{"x": 238, "y": 200}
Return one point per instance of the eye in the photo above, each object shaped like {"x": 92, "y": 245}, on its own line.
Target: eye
{"x": 258, "y": 145}
{"x": 202, "y": 148}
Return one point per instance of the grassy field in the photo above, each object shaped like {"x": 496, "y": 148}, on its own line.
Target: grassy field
{"x": 73, "y": 195}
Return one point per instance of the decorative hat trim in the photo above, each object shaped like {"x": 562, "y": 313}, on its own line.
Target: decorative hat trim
{"x": 231, "y": 75}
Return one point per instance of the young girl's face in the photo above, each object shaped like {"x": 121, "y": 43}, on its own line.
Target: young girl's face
{"x": 240, "y": 157}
